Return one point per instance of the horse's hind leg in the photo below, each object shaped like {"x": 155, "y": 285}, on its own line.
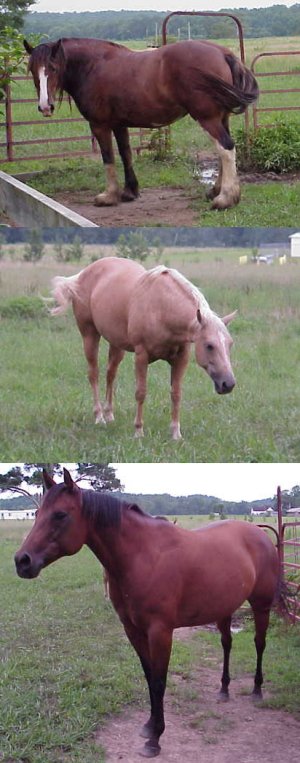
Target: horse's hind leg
{"x": 226, "y": 640}
{"x": 261, "y": 619}
{"x": 131, "y": 187}
{"x": 141, "y": 368}
{"x": 226, "y": 191}
{"x": 115, "y": 356}
{"x": 112, "y": 193}
{"x": 91, "y": 340}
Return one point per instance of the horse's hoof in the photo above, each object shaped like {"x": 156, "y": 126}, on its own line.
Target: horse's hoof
{"x": 109, "y": 416}
{"x": 257, "y": 695}
{"x": 128, "y": 195}
{"x": 100, "y": 419}
{"x": 150, "y": 750}
{"x": 223, "y": 696}
{"x": 106, "y": 200}
{"x": 139, "y": 432}
{"x": 225, "y": 200}
{"x": 212, "y": 193}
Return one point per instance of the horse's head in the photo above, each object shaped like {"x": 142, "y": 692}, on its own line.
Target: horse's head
{"x": 46, "y": 64}
{"x": 58, "y": 530}
{"x": 212, "y": 349}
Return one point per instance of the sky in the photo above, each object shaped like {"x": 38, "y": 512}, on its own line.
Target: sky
{"x": 232, "y": 482}
{"x": 153, "y": 5}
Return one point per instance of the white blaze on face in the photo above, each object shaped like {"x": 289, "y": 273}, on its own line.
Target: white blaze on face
{"x": 43, "y": 101}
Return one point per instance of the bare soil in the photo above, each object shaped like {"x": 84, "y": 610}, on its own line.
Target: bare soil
{"x": 201, "y": 729}
{"x": 156, "y": 206}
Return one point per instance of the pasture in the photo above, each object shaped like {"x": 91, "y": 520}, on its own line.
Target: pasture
{"x": 266, "y": 201}
{"x": 68, "y": 669}
{"x": 46, "y": 399}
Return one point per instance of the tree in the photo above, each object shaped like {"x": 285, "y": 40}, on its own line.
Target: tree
{"x": 101, "y": 476}
{"x": 34, "y": 249}
{"x": 12, "y": 12}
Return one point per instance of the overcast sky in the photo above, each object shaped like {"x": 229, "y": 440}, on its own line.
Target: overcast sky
{"x": 226, "y": 481}
{"x": 154, "y": 5}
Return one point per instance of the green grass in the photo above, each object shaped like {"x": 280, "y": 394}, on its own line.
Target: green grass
{"x": 46, "y": 400}
{"x": 262, "y": 204}
{"x": 67, "y": 665}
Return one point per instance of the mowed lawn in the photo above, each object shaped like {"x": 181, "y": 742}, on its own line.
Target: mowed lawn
{"x": 67, "y": 666}
{"x": 46, "y": 400}
{"x": 266, "y": 203}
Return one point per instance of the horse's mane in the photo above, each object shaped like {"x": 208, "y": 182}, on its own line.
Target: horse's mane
{"x": 186, "y": 286}
{"x": 104, "y": 509}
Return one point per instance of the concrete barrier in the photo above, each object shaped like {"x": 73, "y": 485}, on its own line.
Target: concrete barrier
{"x": 29, "y": 208}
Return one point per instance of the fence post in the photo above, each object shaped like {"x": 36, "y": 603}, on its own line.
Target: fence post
{"x": 280, "y": 534}
{"x": 9, "y": 132}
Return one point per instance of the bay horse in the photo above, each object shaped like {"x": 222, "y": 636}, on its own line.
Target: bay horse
{"x": 115, "y": 88}
{"x": 156, "y": 314}
{"x": 161, "y": 576}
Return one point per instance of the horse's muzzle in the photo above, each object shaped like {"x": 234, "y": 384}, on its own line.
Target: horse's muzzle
{"x": 225, "y": 386}
{"x": 26, "y": 566}
{"x": 47, "y": 112}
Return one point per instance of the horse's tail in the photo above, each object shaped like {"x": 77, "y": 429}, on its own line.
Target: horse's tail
{"x": 243, "y": 91}
{"x": 63, "y": 290}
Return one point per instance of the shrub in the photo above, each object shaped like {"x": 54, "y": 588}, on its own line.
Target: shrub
{"x": 22, "y": 307}
{"x": 269, "y": 149}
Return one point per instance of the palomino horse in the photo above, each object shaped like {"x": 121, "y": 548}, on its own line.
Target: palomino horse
{"x": 161, "y": 577}
{"x": 156, "y": 314}
{"x": 115, "y": 88}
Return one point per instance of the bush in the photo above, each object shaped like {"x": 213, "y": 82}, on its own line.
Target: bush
{"x": 269, "y": 149}
{"x": 23, "y": 307}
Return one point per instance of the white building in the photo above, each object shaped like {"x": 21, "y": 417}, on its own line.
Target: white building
{"x": 21, "y": 515}
{"x": 295, "y": 244}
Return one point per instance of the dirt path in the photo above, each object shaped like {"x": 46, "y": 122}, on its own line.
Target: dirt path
{"x": 199, "y": 729}
{"x": 155, "y": 206}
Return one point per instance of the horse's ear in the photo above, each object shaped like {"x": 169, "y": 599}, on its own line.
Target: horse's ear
{"x": 55, "y": 48}
{"x": 68, "y": 480}
{"x": 230, "y": 317}
{"x": 47, "y": 480}
{"x": 200, "y": 317}
{"x": 28, "y": 47}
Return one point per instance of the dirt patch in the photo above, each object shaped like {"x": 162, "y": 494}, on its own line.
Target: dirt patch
{"x": 159, "y": 206}
{"x": 201, "y": 729}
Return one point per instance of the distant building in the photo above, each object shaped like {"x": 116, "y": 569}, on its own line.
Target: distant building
{"x": 21, "y": 515}
{"x": 295, "y": 244}
{"x": 295, "y": 512}
{"x": 269, "y": 512}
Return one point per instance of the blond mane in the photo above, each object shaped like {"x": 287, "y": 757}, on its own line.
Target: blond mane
{"x": 185, "y": 285}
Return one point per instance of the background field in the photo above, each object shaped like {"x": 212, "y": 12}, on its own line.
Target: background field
{"x": 270, "y": 203}
{"x": 67, "y": 665}
{"x": 46, "y": 400}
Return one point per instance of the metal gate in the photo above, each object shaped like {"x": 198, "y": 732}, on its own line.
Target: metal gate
{"x": 289, "y": 553}
{"x": 287, "y": 103}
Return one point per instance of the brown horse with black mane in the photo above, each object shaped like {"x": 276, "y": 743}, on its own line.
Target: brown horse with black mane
{"x": 115, "y": 88}
{"x": 161, "y": 576}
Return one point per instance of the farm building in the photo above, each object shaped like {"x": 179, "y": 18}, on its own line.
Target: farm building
{"x": 263, "y": 513}
{"x": 21, "y": 515}
{"x": 295, "y": 244}
{"x": 295, "y": 512}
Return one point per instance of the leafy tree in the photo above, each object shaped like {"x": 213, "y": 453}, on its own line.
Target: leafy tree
{"x": 12, "y": 12}
{"x": 101, "y": 476}
{"x": 133, "y": 246}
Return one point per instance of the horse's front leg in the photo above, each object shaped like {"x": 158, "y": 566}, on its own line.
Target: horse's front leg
{"x": 131, "y": 187}
{"x": 115, "y": 356}
{"x": 112, "y": 193}
{"x": 160, "y": 645}
{"x": 141, "y": 368}
{"x": 178, "y": 365}
{"x": 226, "y": 192}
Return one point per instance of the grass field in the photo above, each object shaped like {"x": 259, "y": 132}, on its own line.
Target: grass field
{"x": 67, "y": 665}
{"x": 271, "y": 203}
{"x": 46, "y": 400}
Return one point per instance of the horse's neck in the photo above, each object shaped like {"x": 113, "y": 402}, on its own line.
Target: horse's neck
{"x": 114, "y": 546}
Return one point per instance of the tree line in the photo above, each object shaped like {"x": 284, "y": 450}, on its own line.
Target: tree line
{"x": 277, "y": 20}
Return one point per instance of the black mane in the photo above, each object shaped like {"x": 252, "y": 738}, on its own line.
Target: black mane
{"x": 104, "y": 509}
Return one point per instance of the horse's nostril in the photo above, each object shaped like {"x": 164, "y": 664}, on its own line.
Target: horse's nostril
{"x": 23, "y": 561}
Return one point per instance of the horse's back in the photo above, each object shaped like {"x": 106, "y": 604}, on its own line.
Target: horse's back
{"x": 104, "y": 292}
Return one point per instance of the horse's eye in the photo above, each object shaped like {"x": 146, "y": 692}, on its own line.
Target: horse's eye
{"x": 210, "y": 347}
{"x": 59, "y": 515}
